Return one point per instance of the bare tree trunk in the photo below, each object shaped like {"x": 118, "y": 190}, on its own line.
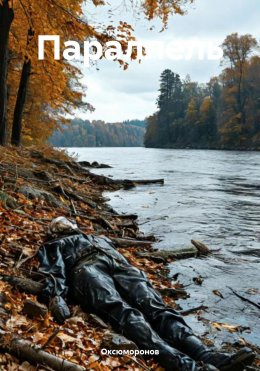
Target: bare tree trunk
{"x": 6, "y": 18}
{"x": 21, "y": 95}
{"x": 20, "y": 103}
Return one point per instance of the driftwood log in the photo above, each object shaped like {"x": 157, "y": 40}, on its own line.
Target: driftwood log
{"x": 164, "y": 255}
{"x": 69, "y": 193}
{"x": 198, "y": 249}
{"x": 125, "y": 183}
{"x": 193, "y": 310}
{"x": 23, "y": 350}
{"x": 202, "y": 249}
{"x": 128, "y": 242}
{"x": 24, "y": 284}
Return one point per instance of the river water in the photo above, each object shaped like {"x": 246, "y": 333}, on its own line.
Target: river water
{"x": 211, "y": 196}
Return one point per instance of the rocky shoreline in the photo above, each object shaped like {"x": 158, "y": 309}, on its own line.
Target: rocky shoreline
{"x": 38, "y": 185}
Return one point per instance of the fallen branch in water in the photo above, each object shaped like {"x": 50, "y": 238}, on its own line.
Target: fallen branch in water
{"x": 244, "y": 298}
{"x": 164, "y": 255}
{"x": 192, "y": 310}
{"x": 202, "y": 249}
{"x": 148, "y": 181}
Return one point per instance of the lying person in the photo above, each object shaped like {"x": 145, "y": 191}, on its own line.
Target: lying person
{"x": 102, "y": 281}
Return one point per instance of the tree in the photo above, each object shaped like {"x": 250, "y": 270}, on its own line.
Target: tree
{"x": 164, "y": 8}
{"x": 236, "y": 50}
{"x": 170, "y": 104}
{"x": 98, "y": 133}
{"x": 6, "y": 19}
{"x": 253, "y": 105}
{"x": 21, "y": 96}
{"x": 54, "y": 87}
{"x": 151, "y": 134}
{"x": 208, "y": 119}
{"x": 166, "y": 89}
{"x": 192, "y": 113}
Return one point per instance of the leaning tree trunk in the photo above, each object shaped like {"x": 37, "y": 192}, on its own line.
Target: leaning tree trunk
{"x": 20, "y": 103}
{"x": 6, "y": 18}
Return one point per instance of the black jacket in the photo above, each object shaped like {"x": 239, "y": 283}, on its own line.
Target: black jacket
{"x": 59, "y": 257}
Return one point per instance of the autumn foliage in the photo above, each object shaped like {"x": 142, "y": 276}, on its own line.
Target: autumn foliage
{"x": 52, "y": 89}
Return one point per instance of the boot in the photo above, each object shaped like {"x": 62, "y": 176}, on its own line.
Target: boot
{"x": 187, "y": 364}
{"x": 230, "y": 362}
{"x": 192, "y": 346}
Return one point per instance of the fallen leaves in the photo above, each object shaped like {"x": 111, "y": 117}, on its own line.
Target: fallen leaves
{"x": 218, "y": 293}
{"x": 22, "y": 231}
{"x": 223, "y": 326}
{"x": 17, "y": 323}
{"x": 65, "y": 339}
{"x": 230, "y": 328}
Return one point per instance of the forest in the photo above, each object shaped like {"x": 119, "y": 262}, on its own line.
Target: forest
{"x": 222, "y": 114}
{"x": 83, "y": 133}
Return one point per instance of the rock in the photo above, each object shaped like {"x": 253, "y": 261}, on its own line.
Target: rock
{"x": 100, "y": 166}
{"x": 105, "y": 166}
{"x": 8, "y": 200}
{"x": 84, "y": 163}
{"x": 198, "y": 280}
{"x": 34, "y": 309}
{"x": 118, "y": 342}
{"x": 36, "y": 193}
{"x": 94, "y": 165}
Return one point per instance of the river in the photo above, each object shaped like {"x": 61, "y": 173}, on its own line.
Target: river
{"x": 211, "y": 196}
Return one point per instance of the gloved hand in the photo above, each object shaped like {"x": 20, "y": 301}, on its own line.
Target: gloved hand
{"x": 59, "y": 309}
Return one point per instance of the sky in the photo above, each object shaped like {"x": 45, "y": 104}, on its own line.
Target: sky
{"x": 119, "y": 95}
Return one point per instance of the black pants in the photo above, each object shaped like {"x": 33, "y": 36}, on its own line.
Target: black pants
{"x": 122, "y": 295}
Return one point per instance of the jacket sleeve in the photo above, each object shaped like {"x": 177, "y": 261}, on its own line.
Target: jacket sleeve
{"x": 53, "y": 267}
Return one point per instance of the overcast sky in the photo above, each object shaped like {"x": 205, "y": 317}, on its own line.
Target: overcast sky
{"x": 119, "y": 95}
